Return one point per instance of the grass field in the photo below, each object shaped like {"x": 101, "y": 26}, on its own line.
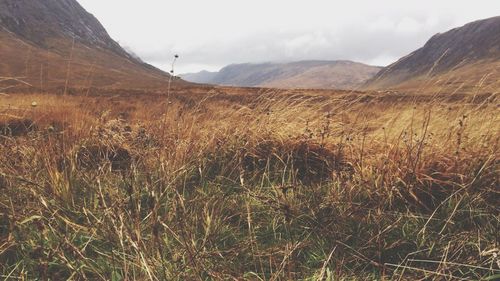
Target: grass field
{"x": 219, "y": 184}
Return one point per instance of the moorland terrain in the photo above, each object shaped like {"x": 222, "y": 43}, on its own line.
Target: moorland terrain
{"x": 112, "y": 170}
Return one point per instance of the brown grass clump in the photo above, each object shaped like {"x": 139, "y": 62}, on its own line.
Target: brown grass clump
{"x": 249, "y": 184}
{"x": 17, "y": 127}
{"x": 94, "y": 157}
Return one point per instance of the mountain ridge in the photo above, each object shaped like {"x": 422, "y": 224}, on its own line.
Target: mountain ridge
{"x": 57, "y": 43}
{"x": 320, "y": 74}
{"x": 37, "y": 21}
{"x": 461, "y": 55}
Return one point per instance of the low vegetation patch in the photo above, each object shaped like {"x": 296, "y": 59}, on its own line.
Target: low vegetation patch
{"x": 270, "y": 187}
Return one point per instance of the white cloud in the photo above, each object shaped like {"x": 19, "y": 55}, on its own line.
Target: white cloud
{"x": 211, "y": 34}
{"x": 409, "y": 25}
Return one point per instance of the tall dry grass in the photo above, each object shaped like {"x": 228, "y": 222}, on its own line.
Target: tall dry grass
{"x": 271, "y": 186}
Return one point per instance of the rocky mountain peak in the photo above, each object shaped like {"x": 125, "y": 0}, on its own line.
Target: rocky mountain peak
{"x": 38, "y": 21}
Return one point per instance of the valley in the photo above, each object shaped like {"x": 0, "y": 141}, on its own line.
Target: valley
{"x": 113, "y": 169}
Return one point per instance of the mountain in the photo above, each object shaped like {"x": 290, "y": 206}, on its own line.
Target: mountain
{"x": 463, "y": 58}
{"x": 57, "y": 43}
{"x": 301, "y": 74}
{"x": 203, "y": 77}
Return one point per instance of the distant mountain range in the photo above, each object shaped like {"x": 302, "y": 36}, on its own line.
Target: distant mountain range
{"x": 462, "y": 59}
{"x": 54, "y": 43}
{"x": 301, "y": 74}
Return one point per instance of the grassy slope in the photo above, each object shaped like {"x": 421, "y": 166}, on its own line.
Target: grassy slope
{"x": 334, "y": 76}
{"x": 479, "y": 77}
{"x": 300, "y": 74}
{"x": 81, "y": 66}
{"x": 270, "y": 186}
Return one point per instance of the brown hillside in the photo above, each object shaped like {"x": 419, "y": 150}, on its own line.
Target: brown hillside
{"x": 56, "y": 43}
{"x": 299, "y": 75}
{"x": 461, "y": 59}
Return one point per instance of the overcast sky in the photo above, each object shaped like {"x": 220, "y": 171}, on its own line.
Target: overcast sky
{"x": 209, "y": 34}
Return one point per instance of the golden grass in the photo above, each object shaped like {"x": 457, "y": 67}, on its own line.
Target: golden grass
{"x": 276, "y": 185}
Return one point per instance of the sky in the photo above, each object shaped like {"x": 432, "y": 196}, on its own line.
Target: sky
{"x": 210, "y": 34}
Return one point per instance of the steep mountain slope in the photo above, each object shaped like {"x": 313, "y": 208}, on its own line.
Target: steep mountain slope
{"x": 54, "y": 43}
{"x": 463, "y": 57}
{"x": 302, "y": 74}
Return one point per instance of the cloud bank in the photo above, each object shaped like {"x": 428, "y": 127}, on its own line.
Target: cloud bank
{"x": 212, "y": 34}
